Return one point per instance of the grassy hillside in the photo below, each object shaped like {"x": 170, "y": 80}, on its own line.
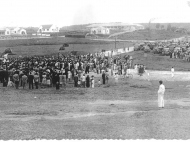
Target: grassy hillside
{"x": 178, "y": 25}
{"x": 150, "y": 35}
{"x": 73, "y": 27}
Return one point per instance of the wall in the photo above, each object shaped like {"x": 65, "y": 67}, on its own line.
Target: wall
{"x": 119, "y": 51}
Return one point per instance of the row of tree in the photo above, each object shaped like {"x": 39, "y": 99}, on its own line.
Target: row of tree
{"x": 159, "y": 26}
{"x": 169, "y": 28}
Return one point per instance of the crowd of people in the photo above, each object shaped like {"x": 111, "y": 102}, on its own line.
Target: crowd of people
{"x": 140, "y": 69}
{"x": 177, "y": 50}
{"x": 51, "y": 71}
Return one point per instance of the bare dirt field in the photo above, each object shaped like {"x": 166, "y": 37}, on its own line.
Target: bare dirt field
{"x": 127, "y": 110}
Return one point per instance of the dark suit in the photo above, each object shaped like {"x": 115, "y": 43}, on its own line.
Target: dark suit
{"x": 104, "y": 78}
{"x": 30, "y": 81}
{"x": 76, "y": 80}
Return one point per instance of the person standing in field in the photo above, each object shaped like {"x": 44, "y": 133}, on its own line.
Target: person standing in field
{"x": 161, "y": 92}
{"x": 36, "y": 79}
{"x": 16, "y": 80}
{"x": 99, "y": 83}
{"x": 87, "y": 81}
{"x": 44, "y": 81}
{"x": 107, "y": 78}
{"x": 76, "y": 80}
{"x": 61, "y": 79}
{"x": 172, "y": 71}
{"x": 92, "y": 82}
{"x": 10, "y": 83}
{"x": 83, "y": 78}
{"x": 116, "y": 78}
{"x": 24, "y": 80}
{"x": 103, "y": 77}
{"x": 69, "y": 75}
{"x": 31, "y": 80}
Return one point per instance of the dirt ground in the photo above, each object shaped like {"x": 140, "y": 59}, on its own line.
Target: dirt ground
{"x": 127, "y": 110}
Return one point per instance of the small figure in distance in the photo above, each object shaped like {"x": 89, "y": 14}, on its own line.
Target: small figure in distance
{"x": 172, "y": 71}
{"x": 161, "y": 92}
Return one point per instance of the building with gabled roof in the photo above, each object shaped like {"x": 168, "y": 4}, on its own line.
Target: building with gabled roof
{"x": 17, "y": 31}
{"x": 118, "y": 25}
{"x": 4, "y": 31}
{"x": 48, "y": 29}
{"x": 99, "y": 30}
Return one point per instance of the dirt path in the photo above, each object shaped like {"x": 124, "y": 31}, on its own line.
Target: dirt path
{"x": 156, "y": 75}
{"x": 89, "y": 109}
{"x": 119, "y": 33}
{"x": 163, "y": 75}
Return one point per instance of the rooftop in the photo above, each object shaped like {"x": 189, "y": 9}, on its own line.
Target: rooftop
{"x": 46, "y": 26}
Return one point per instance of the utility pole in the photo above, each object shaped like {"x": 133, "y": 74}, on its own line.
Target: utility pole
{"x": 152, "y": 19}
{"x": 115, "y": 42}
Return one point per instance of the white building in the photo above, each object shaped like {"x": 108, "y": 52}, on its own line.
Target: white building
{"x": 5, "y": 31}
{"x": 99, "y": 30}
{"x": 17, "y": 31}
{"x": 118, "y": 26}
{"x": 138, "y": 27}
{"x": 48, "y": 29}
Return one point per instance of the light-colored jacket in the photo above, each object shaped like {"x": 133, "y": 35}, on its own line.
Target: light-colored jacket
{"x": 161, "y": 89}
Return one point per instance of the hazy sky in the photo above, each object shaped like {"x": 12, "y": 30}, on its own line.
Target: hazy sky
{"x": 70, "y": 12}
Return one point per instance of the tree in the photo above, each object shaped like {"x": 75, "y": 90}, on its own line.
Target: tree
{"x": 173, "y": 29}
{"x": 162, "y": 27}
{"x": 169, "y": 27}
{"x": 158, "y": 25}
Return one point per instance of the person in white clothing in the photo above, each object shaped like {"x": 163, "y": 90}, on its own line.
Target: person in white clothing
{"x": 161, "y": 92}
{"x": 92, "y": 82}
{"x": 83, "y": 78}
{"x": 69, "y": 75}
{"x": 116, "y": 78}
{"x": 10, "y": 83}
{"x": 172, "y": 71}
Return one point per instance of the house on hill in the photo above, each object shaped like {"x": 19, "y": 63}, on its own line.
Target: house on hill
{"x": 4, "y": 31}
{"x": 17, "y": 31}
{"x": 48, "y": 29}
{"x": 118, "y": 26}
{"x": 100, "y": 30}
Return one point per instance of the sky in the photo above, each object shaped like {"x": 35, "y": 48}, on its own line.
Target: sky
{"x": 25, "y": 13}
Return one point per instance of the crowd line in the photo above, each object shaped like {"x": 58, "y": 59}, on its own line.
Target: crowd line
{"x": 49, "y": 71}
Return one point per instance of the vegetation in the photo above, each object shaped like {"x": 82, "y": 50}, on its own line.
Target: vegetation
{"x": 150, "y": 35}
{"x": 157, "y": 62}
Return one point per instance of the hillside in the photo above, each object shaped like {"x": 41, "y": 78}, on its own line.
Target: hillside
{"x": 150, "y": 35}
{"x": 153, "y": 26}
{"x": 177, "y": 25}
{"x": 73, "y": 27}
